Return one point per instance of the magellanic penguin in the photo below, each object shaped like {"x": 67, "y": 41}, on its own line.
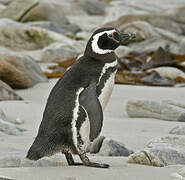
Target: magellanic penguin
{"x": 74, "y": 111}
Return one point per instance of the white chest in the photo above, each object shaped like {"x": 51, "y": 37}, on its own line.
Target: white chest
{"x": 107, "y": 91}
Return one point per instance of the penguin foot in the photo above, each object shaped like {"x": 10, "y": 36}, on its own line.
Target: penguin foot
{"x": 87, "y": 162}
{"x": 70, "y": 160}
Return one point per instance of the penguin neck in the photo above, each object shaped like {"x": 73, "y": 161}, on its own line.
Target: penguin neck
{"x": 106, "y": 58}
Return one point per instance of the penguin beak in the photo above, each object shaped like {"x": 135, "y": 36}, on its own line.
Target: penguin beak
{"x": 127, "y": 37}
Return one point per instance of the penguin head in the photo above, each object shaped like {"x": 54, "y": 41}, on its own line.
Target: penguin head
{"x": 106, "y": 40}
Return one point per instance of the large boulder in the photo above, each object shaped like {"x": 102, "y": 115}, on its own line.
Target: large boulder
{"x": 52, "y": 11}
{"x": 20, "y": 71}
{"x": 151, "y": 24}
{"x": 7, "y": 93}
{"x": 178, "y": 130}
{"x": 154, "y": 109}
{"x": 94, "y": 7}
{"x": 57, "y": 52}
{"x": 48, "y": 25}
{"x": 113, "y": 148}
{"x": 162, "y": 151}
{"x": 17, "y": 9}
{"x": 179, "y": 175}
{"x": 18, "y": 37}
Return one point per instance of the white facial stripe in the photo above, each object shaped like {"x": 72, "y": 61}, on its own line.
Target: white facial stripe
{"x": 94, "y": 44}
{"x": 106, "y": 66}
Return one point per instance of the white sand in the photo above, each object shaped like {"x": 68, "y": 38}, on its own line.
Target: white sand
{"x": 134, "y": 133}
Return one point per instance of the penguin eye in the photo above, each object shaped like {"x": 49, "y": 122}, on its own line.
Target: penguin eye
{"x": 110, "y": 35}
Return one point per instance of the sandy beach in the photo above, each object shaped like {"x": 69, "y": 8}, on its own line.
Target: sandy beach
{"x": 135, "y": 133}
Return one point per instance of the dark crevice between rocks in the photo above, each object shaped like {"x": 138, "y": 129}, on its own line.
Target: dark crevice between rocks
{"x": 147, "y": 157}
{"x": 33, "y": 6}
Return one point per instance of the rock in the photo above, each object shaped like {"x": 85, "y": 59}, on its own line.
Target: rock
{"x": 152, "y": 29}
{"x": 58, "y": 53}
{"x": 154, "y": 109}
{"x": 44, "y": 38}
{"x": 141, "y": 78}
{"x": 52, "y": 11}
{"x": 94, "y": 7}
{"x": 23, "y": 71}
{"x": 122, "y": 51}
{"x": 19, "y": 37}
{"x": 156, "y": 79}
{"x": 5, "y": 178}
{"x": 151, "y": 45}
{"x": 120, "y": 8}
{"x": 96, "y": 145}
{"x": 178, "y": 130}
{"x": 142, "y": 29}
{"x": 2, "y": 115}
{"x": 19, "y": 161}
{"x": 7, "y": 93}
{"x": 171, "y": 73}
{"x": 17, "y": 9}
{"x": 5, "y": 2}
{"x": 161, "y": 151}
{"x": 2, "y": 7}
{"x": 175, "y": 103}
{"x": 157, "y": 20}
{"x": 160, "y": 58}
{"x": 7, "y": 127}
{"x": 179, "y": 175}
{"x": 113, "y": 148}
{"x": 48, "y": 25}
{"x": 83, "y": 35}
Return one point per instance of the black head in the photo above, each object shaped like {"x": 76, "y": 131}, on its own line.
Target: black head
{"x": 106, "y": 40}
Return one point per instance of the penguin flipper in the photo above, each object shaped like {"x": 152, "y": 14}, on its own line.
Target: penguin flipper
{"x": 89, "y": 101}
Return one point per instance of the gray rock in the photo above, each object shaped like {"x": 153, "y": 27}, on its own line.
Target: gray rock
{"x": 7, "y": 127}
{"x": 170, "y": 73}
{"x": 2, "y": 115}
{"x": 17, "y": 9}
{"x": 158, "y": 27}
{"x": 151, "y": 45}
{"x": 161, "y": 151}
{"x": 58, "y": 52}
{"x": 179, "y": 175}
{"x": 178, "y": 130}
{"x": 119, "y": 8}
{"x": 5, "y": 2}
{"x": 142, "y": 29}
{"x": 7, "y": 93}
{"x": 52, "y": 11}
{"x": 2, "y": 7}
{"x": 154, "y": 109}
{"x": 48, "y": 25}
{"x": 33, "y": 70}
{"x": 113, "y": 148}
{"x": 94, "y": 7}
{"x": 5, "y": 178}
{"x": 18, "y": 37}
{"x": 19, "y": 161}
{"x": 23, "y": 71}
{"x": 175, "y": 103}
{"x": 96, "y": 144}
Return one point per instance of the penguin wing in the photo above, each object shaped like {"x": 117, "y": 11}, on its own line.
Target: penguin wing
{"x": 90, "y": 102}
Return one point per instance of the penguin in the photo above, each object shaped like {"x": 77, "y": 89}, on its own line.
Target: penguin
{"x": 73, "y": 115}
